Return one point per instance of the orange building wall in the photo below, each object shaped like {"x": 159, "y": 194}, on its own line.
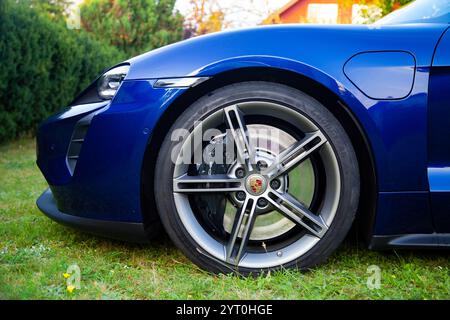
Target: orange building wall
{"x": 298, "y": 12}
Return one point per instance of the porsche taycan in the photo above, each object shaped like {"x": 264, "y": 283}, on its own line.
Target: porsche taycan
{"x": 258, "y": 149}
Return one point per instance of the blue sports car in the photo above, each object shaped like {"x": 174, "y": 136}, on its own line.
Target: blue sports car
{"x": 257, "y": 149}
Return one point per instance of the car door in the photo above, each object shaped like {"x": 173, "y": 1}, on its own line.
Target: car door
{"x": 439, "y": 135}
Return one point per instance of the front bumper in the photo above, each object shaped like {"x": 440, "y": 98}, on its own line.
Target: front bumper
{"x": 126, "y": 231}
{"x": 105, "y": 184}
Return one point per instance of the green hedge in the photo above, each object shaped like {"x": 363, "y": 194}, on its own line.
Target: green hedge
{"x": 43, "y": 65}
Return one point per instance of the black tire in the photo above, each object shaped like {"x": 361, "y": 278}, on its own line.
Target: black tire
{"x": 298, "y": 101}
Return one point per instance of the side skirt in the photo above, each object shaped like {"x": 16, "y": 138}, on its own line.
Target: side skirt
{"x": 411, "y": 241}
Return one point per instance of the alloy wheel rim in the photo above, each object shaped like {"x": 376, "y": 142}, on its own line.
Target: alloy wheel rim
{"x": 257, "y": 185}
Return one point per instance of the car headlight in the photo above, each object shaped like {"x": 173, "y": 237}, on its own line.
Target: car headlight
{"x": 109, "y": 82}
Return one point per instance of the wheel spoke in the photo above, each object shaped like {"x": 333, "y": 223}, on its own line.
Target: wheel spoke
{"x": 298, "y": 213}
{"x": 207, "y": 183}
{"x": 235, "y": 120}
{"x": 242, "y": 227}
{"x": 295, "y": 154}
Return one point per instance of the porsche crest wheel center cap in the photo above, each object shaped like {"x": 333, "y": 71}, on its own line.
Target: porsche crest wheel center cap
{"x": 256, "y": 184}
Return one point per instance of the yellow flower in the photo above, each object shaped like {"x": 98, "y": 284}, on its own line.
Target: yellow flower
{"x": 70, "y": 288}
{"x": 66, "y": 275}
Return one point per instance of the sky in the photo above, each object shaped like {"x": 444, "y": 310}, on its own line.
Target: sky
{"x": 243, "y": 13}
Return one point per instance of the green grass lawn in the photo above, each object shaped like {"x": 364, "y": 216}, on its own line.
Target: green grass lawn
{"x": 35, "y": 252}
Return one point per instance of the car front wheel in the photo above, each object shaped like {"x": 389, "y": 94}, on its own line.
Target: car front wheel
{"x": 256, "y": 176}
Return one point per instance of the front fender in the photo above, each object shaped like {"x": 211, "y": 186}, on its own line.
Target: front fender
{"x": 320, "y": 53}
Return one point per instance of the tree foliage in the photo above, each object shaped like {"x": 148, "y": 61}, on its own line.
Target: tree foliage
{"x": 55, "y": 9}
{"x": 388, "y": 6}
{"x": 43, "y": 66}
{"x": 371, "y": 11}
{"x": 133, "y": 26}
{"x": 205, "y": 16}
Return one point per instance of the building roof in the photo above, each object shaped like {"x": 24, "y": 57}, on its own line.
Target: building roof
{"x": 276, "y": 15}
{"x": 287, "y": 6}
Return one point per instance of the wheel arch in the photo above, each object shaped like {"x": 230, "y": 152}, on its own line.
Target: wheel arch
{"x": 367, "y": 204}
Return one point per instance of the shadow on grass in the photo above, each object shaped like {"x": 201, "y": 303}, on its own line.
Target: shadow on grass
{"x": 352, "y": 251}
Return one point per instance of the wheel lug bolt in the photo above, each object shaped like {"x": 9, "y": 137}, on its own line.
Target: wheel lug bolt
{"x": 262, "y": 202}
{"x": 261, "y": 165}
{"x": 240, "y": 195}
{"x": 275, "y": 184}
{"x": 240, "y": 173}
